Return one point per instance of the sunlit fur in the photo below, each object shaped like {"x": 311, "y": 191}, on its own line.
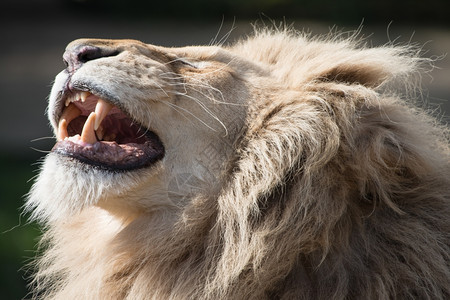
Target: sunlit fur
{"x": 327, "y": 184}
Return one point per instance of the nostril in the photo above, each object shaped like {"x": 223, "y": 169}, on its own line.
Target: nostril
{"x": 87, "y": 53}
{"x": 76, "y": 57}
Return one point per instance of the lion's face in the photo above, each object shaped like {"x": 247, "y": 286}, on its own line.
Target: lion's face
{"x": 145, "y": 121}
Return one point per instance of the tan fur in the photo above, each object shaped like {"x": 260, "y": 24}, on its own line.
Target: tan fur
{"x": 313, "y": 177}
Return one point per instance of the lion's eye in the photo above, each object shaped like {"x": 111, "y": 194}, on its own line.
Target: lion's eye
{"x": 187, "y": 63}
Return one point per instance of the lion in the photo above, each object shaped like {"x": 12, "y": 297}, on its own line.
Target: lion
{"x": 282, "y": 166}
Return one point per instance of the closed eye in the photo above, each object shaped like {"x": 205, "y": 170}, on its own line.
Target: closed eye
{"x": 187, "y": 63}
{"x": 183, "y": 61}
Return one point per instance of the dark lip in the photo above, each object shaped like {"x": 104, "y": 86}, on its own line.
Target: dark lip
{"x": 151, "y": 155}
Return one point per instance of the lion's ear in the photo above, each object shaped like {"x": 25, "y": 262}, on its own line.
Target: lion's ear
{"x": 367, "y": 75}
{"x": 371, "y": 67}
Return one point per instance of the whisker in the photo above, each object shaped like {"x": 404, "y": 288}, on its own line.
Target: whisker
{"x": 196, "y": 83}
{"x": 227, "y": 35}
{"x": 177, "y": 108}
{"x": 161, "y": 88}
{"x": 213, "y": 99}
{"x": 32, "y": 178}
{"x": 42, "y": 138}
{"x": 209, "y": 112}
{"x": 15, "y": 226}
{"x": 145, "y": 131}
{"x": 210, "y": 88}
{"x": 180, "y": 110}
{"x": 210, "y": 97}
{"x": 213, "y": 41}
{"x": 39, "y": 150}
{"x": 176, "y": 75}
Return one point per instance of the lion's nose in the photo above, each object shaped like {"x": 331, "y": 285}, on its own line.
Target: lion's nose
{"x": 76, "y": 56}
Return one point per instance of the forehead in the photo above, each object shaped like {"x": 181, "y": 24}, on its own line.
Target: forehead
{"x": 159, "y": 53}
{"x": 128, "y": 44}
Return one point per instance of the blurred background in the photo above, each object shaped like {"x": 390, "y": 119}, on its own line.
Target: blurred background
{"x": 34, "y": 33}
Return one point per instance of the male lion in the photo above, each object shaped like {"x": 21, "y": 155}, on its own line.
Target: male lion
{"x": 282, "y": 167}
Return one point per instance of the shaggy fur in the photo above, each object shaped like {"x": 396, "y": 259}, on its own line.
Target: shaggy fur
{"x": 314, "y": 177}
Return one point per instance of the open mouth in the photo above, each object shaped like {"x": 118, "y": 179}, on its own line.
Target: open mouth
{"x": 98, "y": 133}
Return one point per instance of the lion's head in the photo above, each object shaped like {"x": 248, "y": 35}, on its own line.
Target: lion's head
{"x": 142, "y": 120}
{"x": 280, "y": 167}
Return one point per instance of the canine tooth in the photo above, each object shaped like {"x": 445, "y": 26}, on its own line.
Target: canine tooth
{"x": 88, "y": 133}
{"x": 77, "y": 96}
{"x": 69, "y": 113}
{"x": 101, "y": 110}
{"x": 62, "y": 130}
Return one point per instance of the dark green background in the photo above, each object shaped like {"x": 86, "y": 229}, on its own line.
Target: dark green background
{"x": 34, "y": 33}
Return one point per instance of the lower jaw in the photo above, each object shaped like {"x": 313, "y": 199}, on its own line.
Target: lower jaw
{"x": 112, "y": 156}
{"x": 66, "y": 186}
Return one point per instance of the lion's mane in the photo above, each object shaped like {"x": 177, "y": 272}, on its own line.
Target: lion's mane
{"x": 339, "y": 188}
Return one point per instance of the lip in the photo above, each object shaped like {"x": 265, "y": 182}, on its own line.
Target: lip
{"x": 119, "y": 143}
